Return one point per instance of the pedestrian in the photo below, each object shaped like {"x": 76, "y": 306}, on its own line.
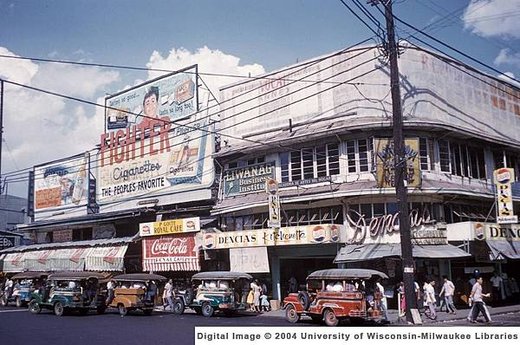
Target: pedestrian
{"x": 168, "y": 293}
{"x": 478, "y": 303}
{"x": 293, "y": 285}
{"x": 402, "y": 301}
{"x": 151, "y": 291}
{"x": 382, "y": 299}
{"x": 496, "y": 285}
{"x": 250, "y": 300}
{"x": 264, "y": 302}
{"x": 110, "y": 292}
{"x": 257, "y": 291}
{"x": 448, "y": 290}
{"x": 429, "y": 298}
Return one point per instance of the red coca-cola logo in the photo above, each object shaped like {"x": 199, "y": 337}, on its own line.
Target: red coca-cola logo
{"x": 173, "y": 246}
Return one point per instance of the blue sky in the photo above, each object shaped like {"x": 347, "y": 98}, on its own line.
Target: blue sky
{"x": 226, "y": 36}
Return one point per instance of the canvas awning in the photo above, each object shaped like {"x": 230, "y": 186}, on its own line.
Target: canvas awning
{"x": 504, "y": 249}
{"x": 106, "y": 258}
{"x": 360, "y": 252}
{"x": 14, "y": 262}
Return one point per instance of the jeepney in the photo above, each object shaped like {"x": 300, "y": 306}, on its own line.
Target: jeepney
{"x": 337, "y": 294}
{"x": 68, "y": 291}
{"x": 215, "y": 291}
{"x": 133, "y": 292}
{"x": 24, "y": 284}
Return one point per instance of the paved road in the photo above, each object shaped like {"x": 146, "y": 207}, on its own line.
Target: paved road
{"x": 18, "y": 326}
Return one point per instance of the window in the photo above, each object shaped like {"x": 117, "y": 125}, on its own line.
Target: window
{"x": 358, "y": 154}
{"x": 444, "y": 155}
{"x": 425, "y": 152}
{"x": 310, "y": 162}
{"x": 244, "y": 163}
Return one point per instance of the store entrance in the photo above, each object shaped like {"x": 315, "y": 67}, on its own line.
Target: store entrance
{"x": 300, "y": 268}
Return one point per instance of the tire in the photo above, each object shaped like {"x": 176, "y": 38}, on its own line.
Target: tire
{"x": 188, "y": 297}
{"x": 148, "y": 312}
{"x": 330, "y": 318}
{"x": 18, "y": 302}
{"x": 34, "y": 307}
{"x": 305, "y": 299}
{"x": 178, "y": 307}
{"x": 59, "y": 309}
{"x": 122, "y": 310}
{"x": 291, "y": 314}
{"x": 207, "y": 309}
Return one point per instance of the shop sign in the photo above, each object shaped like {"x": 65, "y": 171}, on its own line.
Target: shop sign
{"x": 305, "y": 182}
{"x": 250, "y": 260}
{"x": 385, "y": 228}
{"x": 172, "y": 226}
{"x": 498, "y": 232}
{"x": 274, "y": 211}
{"x": 503, "y": 180}
{"x": 248, "y": 179}
{"x": 171, "y": 253}
{"x": 385, "y": 162}
{"x": 6, "y": 242}
{"x": 294, "y": 235}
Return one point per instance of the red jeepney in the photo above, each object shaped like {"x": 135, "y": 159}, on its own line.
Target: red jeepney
{"x": 336, "y": 294}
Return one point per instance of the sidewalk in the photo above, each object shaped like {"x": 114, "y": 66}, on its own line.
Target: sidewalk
{"x": 461, "y": 314}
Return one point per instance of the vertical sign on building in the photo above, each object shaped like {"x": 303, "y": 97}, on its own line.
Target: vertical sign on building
{"x": 503, "y": 178}
{"x": 271, "y": 187}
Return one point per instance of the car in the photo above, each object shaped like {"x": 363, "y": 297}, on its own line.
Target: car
{"x": 216, "y": 291}
{"x": 67, "y": 291}
{"x": 133, "y": 292}
{"x": 337, "y": 294}
{"x": 24, "y": 284}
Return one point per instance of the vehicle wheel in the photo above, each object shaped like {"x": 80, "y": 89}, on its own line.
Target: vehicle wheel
{"x": 3, "y": 301}
{"x": 330, "y": 318}
{"x": 58, "y": 309}
{"x": 34, "y": 307}
{"x": 207, "y": 309}
{"x": 122, "y": 310}
{"x": 291, "y": 314}
{"x": 18, "y": 302}
{"x": 198, "y": 310}
{"x": 178, "y": 307}
{"x": 305, "y": 299}
{"x": 83, "y": 311}
{"x": 100, "y": 310}
{"x": 148, "y": 312}
{"x": 189, "y": 296}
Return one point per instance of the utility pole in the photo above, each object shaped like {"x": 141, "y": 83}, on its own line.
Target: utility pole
{"x": 400, "y": 165}
{"x": 1, "y": 130}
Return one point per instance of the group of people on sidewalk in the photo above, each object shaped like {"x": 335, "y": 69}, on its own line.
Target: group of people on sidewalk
{"x": 429, "y": 300}
{"x": 257, "y": 299}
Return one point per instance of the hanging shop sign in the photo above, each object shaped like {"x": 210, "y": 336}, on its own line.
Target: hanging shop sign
{"x": 385, "y": 162}
{"x": 248, "y": 179}
{"x": 170, "y": 253}
{"x": 385, "y": 228}
{"x": 503, "y": 180}
{"x": 172, "y": 226}
{"x": 7, "y": 242}
{"x": 294, "y": 235}
{"x": 275, "y": 219}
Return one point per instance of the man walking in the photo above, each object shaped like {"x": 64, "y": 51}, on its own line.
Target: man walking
{"x": 478, "y": 304}
{"x": 429, "y": 298}
{"x": 448, "y": 290}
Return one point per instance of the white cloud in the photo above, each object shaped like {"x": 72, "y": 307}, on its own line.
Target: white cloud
{"x": 505, "y": 57}
{"x": 493, "y": 18}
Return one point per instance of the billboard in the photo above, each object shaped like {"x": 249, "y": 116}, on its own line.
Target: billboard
{"x": 168, "y": 160}
{"x": 61, "y": 184}
{"x": 503, "y": 178}
{"x": 385, "y": 162}
{"x": 172, "y": 97}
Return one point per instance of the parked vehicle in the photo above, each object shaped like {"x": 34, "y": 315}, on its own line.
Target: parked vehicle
{"x": 81, "y": 291}
{"x": 336, "y": 294}
{"x": 216, "y": 291}
{"x": 24, "y": 284}
{"x": 133, "y": 292}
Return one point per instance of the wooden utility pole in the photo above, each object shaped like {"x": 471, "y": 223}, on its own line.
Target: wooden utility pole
{"x": 400, "y": 164}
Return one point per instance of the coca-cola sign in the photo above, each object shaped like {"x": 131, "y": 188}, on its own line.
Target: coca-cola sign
{"x": 168, "y": 246}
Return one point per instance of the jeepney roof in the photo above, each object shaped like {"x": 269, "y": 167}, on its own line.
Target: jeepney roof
{"x": 139, "y": 277}
{"x": 222, "y": 275}
{"x": 346, "y": 273}
{"x": 72, "y": 275}
{"x": 30, "y": 275}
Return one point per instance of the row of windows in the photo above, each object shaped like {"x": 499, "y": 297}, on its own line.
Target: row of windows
{"x": 452, "y": 157}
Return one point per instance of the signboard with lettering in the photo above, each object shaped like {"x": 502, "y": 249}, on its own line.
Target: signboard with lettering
{"x": 496, "y": 232}
{"x": 294, "y": 235}
{"x": 171, "y": 253}
{"x": 503, "y": 179}
{"x": 7, "y": 241}
{"x": 248, "y": 179}
{"x": 172, "y": 226}
{"x": 385, "y": 162}
{"x": 250, "y": 260}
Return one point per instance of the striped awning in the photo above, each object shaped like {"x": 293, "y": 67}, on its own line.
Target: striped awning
{"x": 14, "y": 262}
{"x": 186, "y": 264}
{"x": 106, "y": 258}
